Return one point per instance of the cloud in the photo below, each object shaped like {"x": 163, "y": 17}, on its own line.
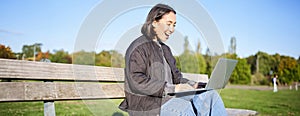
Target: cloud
{"x": 10, "y": 32}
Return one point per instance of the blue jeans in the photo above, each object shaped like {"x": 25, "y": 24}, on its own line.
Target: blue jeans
{"x": 208, "y": 103}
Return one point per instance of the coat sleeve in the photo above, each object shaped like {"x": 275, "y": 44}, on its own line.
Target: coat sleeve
{"x": 138, "y": 77}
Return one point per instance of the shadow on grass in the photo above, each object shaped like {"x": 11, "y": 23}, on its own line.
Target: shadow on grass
{"x": 117, "y": 114}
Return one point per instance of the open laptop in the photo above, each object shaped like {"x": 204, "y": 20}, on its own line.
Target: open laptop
{"x": 218, "y": 79}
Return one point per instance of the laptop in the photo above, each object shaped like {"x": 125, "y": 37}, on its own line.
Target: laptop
{"x": 218, "y": 78}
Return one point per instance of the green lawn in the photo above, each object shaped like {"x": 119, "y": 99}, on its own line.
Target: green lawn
{"x": 65, "y": 108}
{"x": 284, "y": 102}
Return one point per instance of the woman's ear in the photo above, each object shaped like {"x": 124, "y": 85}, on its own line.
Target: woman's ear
{"x": 154, "y": 24}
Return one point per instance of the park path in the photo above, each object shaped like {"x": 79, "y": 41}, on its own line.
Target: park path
{"x": 255, "y": 87}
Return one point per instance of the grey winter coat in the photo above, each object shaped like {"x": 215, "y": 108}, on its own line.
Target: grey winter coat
{"x": 144, "y": 76}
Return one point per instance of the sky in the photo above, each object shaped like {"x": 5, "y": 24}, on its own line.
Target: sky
{"x": 271, "y": 26}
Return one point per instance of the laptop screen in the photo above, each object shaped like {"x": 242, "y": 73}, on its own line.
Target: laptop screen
{"x": 221, "y": 73}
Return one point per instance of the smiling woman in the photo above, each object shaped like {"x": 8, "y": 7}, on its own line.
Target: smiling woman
{"x": 164, "y": 27}
{"x": 160, "y": 23}
{"x": 151, "y": 73}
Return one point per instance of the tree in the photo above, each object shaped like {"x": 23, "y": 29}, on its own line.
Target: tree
{"x": 6, "y": 52}
{"x": 266, "y": 63}
{"x": 259, "y": 79}
{"x": 84, "y": 58}
{"x": 186, "y": 58}
{"x": 201, "y": 64}
{"x": 188, "y": 63}
{"x": 287, "y": 70}
{"x": 297, "y": 77}
{"x": 211, "y": 60}
{"x": 186, "y": 45}
{"x": 232, "y": 47}
{"x": 30, "y": 51}
{"x": 263, "y": 64}
{"x": 275, "y": 65}
{"x": 42, "y": 56}
{"x": 103, "y": 59}
{"x": 241, "y": 73}
{"x": 251, "y": 60}
{"x": 117, "y": 59}
{"x": 178, "y": 62}
{"x": 198, "y": 49}
{"x": 60, "y": 56}
{"x": 201, "y": 61}
{"x": 191, "y": 62}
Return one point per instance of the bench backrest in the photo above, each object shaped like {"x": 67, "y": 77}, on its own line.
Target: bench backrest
{"x": 42, "y": 81}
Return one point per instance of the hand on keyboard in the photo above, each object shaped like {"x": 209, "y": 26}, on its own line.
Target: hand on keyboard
{"x": 199, "y": 85}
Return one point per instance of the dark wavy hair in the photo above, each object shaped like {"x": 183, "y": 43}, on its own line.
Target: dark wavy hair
{"x": 155, "y": 14}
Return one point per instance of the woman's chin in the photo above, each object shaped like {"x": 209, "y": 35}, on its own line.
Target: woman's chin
{"x": 164, "y": 39}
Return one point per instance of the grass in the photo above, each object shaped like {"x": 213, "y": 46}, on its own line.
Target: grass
{"x": 267, "y": 103}
{"x": 65, "y": 108}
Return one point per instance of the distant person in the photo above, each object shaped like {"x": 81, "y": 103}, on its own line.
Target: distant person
{"x": 151, "y": 73}
{"x": 274, "y": 83}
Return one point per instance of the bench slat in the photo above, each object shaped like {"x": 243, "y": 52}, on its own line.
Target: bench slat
{"x": 19, "y": 69}
{"x": 40, "y": 91}
{"x": 23, "y": 70}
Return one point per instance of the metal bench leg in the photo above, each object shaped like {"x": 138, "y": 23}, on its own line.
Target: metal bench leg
{"x": 49, "y": 109}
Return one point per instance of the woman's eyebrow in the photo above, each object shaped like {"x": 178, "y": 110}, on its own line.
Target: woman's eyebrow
{"x": 171, "y": 22}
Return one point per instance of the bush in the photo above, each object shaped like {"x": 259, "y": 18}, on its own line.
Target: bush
{"x": 259, "y": 79}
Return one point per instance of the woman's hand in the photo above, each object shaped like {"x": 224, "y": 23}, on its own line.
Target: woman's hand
{"x": 199, "y": 85}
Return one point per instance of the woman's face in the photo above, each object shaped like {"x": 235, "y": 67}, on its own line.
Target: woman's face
{"x": 165, "y": 26}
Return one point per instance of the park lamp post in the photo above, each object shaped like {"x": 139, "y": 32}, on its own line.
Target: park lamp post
{"x": 34, "y": 52}
{"x": 23, "y": 56}
{"x": 271, "y": 73}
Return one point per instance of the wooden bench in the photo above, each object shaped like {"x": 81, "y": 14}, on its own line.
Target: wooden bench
{"x": 29, "y": 81}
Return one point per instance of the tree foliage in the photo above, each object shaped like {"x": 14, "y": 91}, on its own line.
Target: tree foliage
{"x": 261, "y": 66}
{"x": 232, "y": 47}
{"x": 84, "y": 58}
{"x": 259, "y": 79}
{"x": 110, "y": 59}
{"x": 42, "y": 56}
{"x": 251, "y": 60}
{"x": 241, "y": 73}
{"x": 191, "y": 62}
{"x": 103, "y": 59}
{"x": 60, "y": 56}
{"x": 6, "y": 52}
{"x": 288, "y": 70}
{"x": 266, "y": 63}
{"x": 30, "y": 51}
{"x": 117, "y": 59}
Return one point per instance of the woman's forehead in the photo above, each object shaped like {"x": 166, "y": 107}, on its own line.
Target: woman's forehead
{"x": 170, "y": 17}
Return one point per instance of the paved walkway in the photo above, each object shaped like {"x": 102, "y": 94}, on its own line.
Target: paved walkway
{"x": 241, "y": 112}
{"x": 255, "y": 87}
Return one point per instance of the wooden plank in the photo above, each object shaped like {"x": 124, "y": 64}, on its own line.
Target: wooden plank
{"x": 41, "y": 91}
{"x": 18, "y": 69}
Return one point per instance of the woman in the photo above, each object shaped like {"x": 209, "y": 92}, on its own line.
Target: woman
{"x": 151, "y": 73}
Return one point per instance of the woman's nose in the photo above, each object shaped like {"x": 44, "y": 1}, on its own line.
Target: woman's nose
{"x": 171, "y": 29}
